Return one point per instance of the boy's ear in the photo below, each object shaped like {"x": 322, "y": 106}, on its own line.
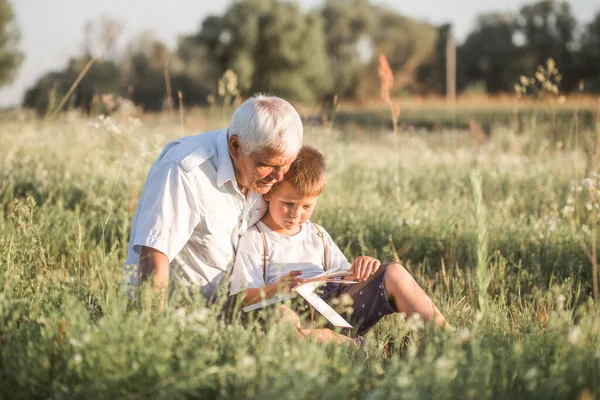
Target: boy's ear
{"x": 267, "y": 196}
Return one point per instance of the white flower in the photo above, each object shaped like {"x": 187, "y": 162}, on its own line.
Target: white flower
{"x": 199, "y": 315}
{"x": 445, "y": 367}
{"x": 77, "y": 358}
{"x": 588, "y": 183}
{"x": 531, "y": 374}
{"x": 462, "y": 335}
{"x": 560, "y": 301}
{"x": 403, "y": 380}
{"x": 478, "y": 316}
{"x": 575, "y": 335}
{"x": 180, "y": 314}
{"x": 415, "y": 322}
{"x": 86, "y": 338}
{"x": 247, "y": 361}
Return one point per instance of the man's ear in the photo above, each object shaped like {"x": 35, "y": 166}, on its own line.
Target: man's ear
{"x": 233, "y": 145}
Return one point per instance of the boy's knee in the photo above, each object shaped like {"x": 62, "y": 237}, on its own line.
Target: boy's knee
{"x": 395, "y": 273}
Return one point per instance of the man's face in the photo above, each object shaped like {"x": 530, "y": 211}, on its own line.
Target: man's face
{"x": 288, "y": 209}
{"x": 258, "y": 171}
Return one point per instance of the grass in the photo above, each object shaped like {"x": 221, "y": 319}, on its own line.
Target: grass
{"x": 68, "y": 190}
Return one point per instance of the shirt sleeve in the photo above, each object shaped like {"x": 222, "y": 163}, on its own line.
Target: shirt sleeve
{"x": 334, "y": 257}
{"x": 248, "y": 271}
{"x": 168, "y": 211}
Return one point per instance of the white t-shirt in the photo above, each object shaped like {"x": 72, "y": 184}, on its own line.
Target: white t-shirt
{"x": 192, "y": 210}
{"x": 303, "y": 251}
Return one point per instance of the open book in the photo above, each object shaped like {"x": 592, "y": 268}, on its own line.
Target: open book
{"x": 307, "y": 291}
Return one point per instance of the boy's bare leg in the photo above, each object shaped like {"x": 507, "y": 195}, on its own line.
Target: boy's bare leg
{"x": 409, "y": 297}
{"x": 289, "y": 316}
{"x": 325, "y": 335}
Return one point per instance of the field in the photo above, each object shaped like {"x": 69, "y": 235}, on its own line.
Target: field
{"x": 497, "y": 221}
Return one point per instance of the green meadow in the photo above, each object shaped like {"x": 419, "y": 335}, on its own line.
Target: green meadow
{"x": 494, "y": 213}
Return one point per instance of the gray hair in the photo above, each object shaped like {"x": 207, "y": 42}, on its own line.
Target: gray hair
{"x": 267, "y": 123}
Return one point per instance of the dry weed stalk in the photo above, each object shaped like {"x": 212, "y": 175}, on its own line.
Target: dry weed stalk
{"x": 386, "y": 78}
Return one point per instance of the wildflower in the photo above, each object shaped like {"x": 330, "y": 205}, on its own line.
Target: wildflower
{"x": 86, "y": 338}
{"x": 180, "y": 314}
{"x": 575, "y": 335}
{"x": 403, "y": 380}
{"x": 386, "y": 77}
{"x": 524, "y": 80}
{"x": 478, "y": 316}
{"x": 560, "y": 301}
{"x": 199, "y": 315}
{"x": 445, "y": 367}
{"x": 247, "y": 361}
{"x": 462, "y": 335}
{"x": 539, "y": 76}
{"x": 588, "y": 183}
{"x": 415, "y": 322}
{"x": 77, "y": 358}
{"x": 530, "y": 378}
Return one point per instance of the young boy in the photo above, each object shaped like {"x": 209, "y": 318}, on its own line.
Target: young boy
{"x": 284, "y": 248}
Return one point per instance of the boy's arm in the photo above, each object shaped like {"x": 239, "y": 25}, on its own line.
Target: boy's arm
{"x": 284, "y": 285}
{"x": 362, "y": 267}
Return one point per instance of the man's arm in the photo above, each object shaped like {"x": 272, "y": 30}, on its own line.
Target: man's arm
{"x": 154, "y": 266}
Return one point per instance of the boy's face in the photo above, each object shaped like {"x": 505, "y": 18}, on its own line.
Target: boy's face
{"x": 288, "y": 209}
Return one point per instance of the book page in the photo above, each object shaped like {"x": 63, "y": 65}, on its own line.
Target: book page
{"x": 308, "y": 292}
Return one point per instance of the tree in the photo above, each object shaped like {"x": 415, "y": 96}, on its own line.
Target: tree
{"x": 489, "y": 54}
{"x": 548, "y": 27}
{"x": 590, "y": 55}
{"x": 272, "y": 47}
{"x": 348, "y": 25}
{"x": 10, "y": 57}
{"x": 102, "y": 78}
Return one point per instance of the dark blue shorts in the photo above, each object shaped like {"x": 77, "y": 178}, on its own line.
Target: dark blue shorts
{"x": 371, "y": 302}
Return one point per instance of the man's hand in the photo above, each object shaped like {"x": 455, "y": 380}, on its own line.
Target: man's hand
{"x": 363, "y": 267}
{"x": 154, "y": 266}
{"x": 289, "y": 281}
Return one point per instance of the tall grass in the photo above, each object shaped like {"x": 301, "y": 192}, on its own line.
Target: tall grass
{"x": 66, "y": 330}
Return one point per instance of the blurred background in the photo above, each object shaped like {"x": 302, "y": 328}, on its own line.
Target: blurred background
{"x": 156, "y": 54}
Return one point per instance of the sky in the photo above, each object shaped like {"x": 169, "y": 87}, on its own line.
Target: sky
{"x": 52, "y": 30}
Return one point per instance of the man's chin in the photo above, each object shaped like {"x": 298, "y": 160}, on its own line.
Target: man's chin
{"x": 262, "y": 188}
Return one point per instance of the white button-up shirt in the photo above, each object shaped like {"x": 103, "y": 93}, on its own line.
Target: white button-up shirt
{"x": 192, "y": 210}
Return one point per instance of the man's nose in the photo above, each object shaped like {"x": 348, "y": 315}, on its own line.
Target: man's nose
{"x": 277, "y": 175}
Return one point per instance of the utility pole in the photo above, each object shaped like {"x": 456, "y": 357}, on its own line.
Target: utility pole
{"x": 450, "y": 69}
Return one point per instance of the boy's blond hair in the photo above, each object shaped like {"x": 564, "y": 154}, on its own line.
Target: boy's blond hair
{"x": 307, "y": 174}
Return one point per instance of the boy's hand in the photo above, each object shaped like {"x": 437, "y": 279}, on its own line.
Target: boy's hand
{"x": 289, "y": 281}
{"x": 363, "y": 267}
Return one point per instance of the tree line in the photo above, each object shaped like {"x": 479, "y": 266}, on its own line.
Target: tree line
{"x": 273, "y": 46}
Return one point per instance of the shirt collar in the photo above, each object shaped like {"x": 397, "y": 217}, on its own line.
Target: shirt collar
{"x": 225, "y": 170}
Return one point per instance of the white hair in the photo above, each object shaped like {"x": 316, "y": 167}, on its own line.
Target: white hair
{"x": 267, "y": 123}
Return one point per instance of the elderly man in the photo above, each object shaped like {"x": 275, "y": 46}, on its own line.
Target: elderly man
{"x": 204, "y": 191}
